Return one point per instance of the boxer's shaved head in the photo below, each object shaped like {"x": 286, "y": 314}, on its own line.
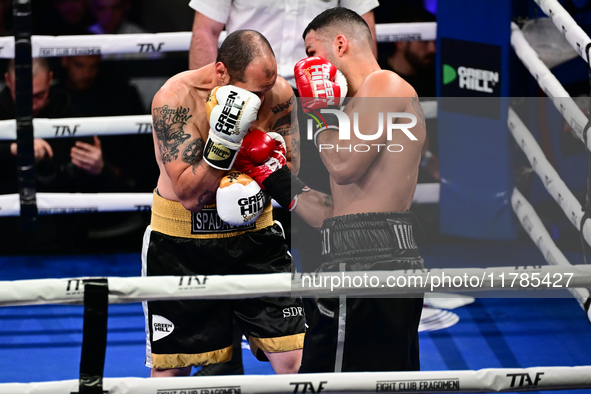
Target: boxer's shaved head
{"x": 340, "y": 20}
{"x": 238, "y": 51}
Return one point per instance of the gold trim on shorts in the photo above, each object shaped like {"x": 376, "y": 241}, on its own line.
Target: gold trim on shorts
{"x": 278, "y": 344}
{"x": 168, "y": 361}
{"x": 171, "y": 218}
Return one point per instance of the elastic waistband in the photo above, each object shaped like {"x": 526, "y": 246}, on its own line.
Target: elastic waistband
{"x": 364, "y": 239}
{"x": 171, "y": 218}
{"x": 368, "y": 220}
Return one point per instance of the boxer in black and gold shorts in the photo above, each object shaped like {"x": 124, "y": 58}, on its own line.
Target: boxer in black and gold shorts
{"x": 199, "y": 332}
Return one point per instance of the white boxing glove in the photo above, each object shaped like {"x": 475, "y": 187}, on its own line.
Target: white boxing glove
{"x": 230, "y": 111}
{"x": 239, "y": 199}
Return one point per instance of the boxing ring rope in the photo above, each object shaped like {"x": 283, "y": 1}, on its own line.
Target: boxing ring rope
{"x": 64, "y": 203}
{"x": 550, "y": 84}
{"x": 112, "y": 125}
{"x": 114, "y": 44}
{"x": 483, "y": 380}
{"x": 552, "y": 181}
{"x": 525, "y": 140}
{"x": 571, "y": 113}
{"x": 565, "y": 23}
{"x": 166, "y": 288}
{"x": 535, "y": 228}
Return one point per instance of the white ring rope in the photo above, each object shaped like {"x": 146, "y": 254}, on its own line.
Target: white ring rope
{"x": 565, "y": 23}
{"x": 111, "y": 44}
{"x": 328, "y": 284}
{"x": 63, "y": 203}
{"x": 81, "y": 127}
{"x": 112, "y": 125}
{"x": 483, "y": 380}
{"x": 549, "y": 84}
{"x": 538, "y": 233}
{"x": 59, "y": 203}
{"x": 417, "y": 31}
{"x": 550, "y": 178}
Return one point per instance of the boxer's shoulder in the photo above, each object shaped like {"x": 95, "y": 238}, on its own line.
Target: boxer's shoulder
{"x": 385, "y": 83}
{"x": 279, "y": 98}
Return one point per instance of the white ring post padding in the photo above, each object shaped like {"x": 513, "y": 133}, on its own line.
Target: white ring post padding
{"x": 552, "y": 181}
{"x": 565, "y": 23}
{"x": 166, "y": 288}
{"x": 416, "y": 31}
{"x": 538, "y": 233}
{"x": 111, "y": 44}
{"x": 549, "y": 84}
{"x": 483, "y": 380}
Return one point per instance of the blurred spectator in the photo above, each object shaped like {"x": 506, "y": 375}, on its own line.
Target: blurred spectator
{"x": 62, "y": 165}
{"x": 66, "y": 163}
{"x": 65, "y": 17}
{"x": 5, "y": 17}
{"x": 111, "y": 18}
{"x": 96, "y": 94}
{"x": 413, "y": 60}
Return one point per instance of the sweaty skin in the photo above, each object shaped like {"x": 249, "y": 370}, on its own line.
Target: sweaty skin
{"x": 180, "y": 129}
{"x": 376, "y": 180}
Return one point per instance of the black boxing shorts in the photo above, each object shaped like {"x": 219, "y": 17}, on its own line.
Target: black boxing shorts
{"x": 199, "y": 332}
{"x": 365, "y": 334}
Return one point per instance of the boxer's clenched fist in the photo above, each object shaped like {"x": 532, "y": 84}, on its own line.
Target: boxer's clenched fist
{"x": 319, "y": 83}
{"x": 239, "y": 199}
{"x": 261, "y": 155}
{"x": 230, "y": 111}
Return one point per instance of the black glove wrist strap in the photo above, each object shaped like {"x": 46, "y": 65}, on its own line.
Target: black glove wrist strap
{"x": 283, "y": 186}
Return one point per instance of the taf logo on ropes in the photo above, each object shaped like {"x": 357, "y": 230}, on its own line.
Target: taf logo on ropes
{"x": 308, "y": 387}
{"x": 524, "y": 380}
{"x": 190, "y": 282}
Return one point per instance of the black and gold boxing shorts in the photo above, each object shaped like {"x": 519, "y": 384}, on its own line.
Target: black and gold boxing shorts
{"x": 199, "y": 332}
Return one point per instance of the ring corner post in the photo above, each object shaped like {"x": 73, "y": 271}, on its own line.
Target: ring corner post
{"x": 473, "y": 82}
{"x": 24, "y": 113}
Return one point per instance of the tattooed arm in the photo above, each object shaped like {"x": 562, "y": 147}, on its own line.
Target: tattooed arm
{"x": 179, "y": 152}
{"x": 285, "y": 122}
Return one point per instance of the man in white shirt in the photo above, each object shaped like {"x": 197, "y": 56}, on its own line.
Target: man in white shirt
{"x": 282, "y": 22}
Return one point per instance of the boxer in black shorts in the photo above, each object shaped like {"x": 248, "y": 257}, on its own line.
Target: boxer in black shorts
{"x": 199, "y": 120}
{"x": 375, "y": 331}
{"x": 199, "y": 332}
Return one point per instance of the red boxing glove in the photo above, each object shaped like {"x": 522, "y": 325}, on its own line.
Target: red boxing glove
{"x": 319, "y": 83}
{"x": 260, "y": 155}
